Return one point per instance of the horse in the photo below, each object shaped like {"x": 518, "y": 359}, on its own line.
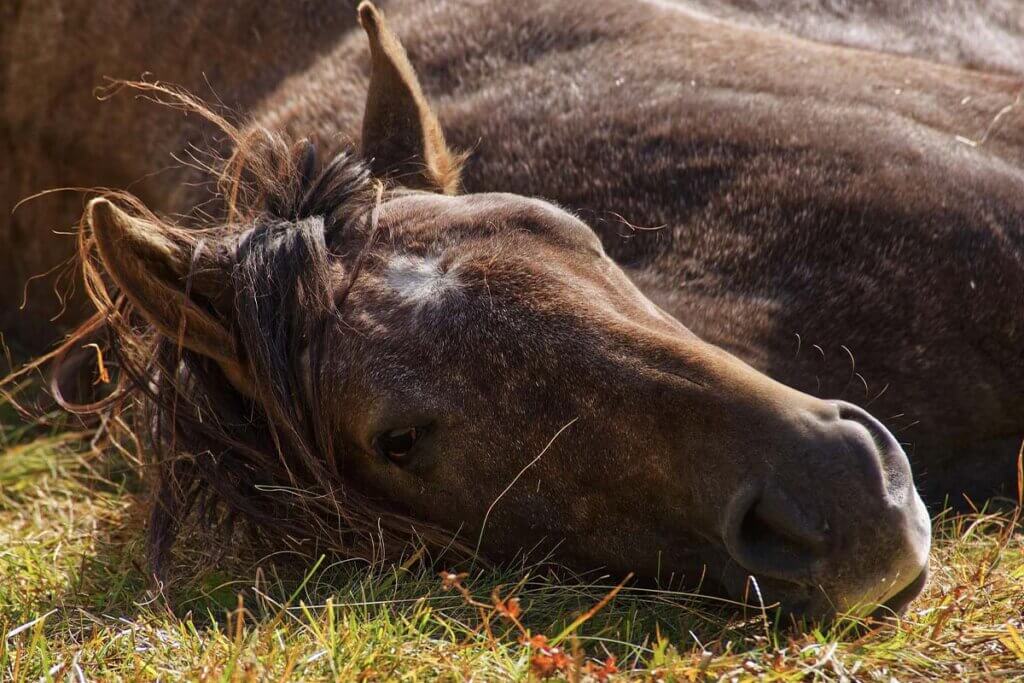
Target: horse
{"x": 623, "y": 303}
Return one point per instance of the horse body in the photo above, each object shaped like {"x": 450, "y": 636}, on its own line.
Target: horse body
{"x": 985, "y": 36}
{"x": 807, "y": 208}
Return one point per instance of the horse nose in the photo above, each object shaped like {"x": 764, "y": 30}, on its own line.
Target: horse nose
{"x": 770, "y": 535}
{"x": 836, "y": 525}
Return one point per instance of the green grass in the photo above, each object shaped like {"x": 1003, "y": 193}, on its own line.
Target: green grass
{"x": 74, "y": 604}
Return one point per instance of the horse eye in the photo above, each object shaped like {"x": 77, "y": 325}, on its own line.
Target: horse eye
{"x": 398, "y": 443}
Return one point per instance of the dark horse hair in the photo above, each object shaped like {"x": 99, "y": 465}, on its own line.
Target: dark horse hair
{"x": 216, "y": 456}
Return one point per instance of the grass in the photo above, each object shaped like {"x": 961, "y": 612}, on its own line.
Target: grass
{"x": 74, "y": 605}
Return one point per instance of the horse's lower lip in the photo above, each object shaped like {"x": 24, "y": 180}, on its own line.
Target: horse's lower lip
{"x": 893, "y": 606}
{"x": 898, "y": 603}
{"x": 806, "y": 601}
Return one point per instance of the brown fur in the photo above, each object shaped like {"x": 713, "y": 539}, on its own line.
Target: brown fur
{"x": 805, "y": 207}
{"x": 988, "y": 36}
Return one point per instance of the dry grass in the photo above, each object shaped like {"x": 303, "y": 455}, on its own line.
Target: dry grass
{"x": 74, "y": 605}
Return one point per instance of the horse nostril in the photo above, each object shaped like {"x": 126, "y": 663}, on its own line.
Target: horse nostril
{"x": 775, "y": 537}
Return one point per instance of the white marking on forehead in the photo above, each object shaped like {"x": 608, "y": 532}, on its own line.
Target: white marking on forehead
{"x": 419, "y": 279}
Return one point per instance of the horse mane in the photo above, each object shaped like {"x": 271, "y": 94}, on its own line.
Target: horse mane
{"x": 215, "y": 456}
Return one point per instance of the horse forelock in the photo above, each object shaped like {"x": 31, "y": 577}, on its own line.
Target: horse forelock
{"x": 267, "y": 458}
{"x": 261, "y": 457}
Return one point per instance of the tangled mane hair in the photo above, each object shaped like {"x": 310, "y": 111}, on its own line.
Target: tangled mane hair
{"x": 216, "y": 456}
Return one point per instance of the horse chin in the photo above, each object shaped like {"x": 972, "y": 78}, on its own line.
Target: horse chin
{"x": 797, "y": 603}
{"x": 897, "y": 604}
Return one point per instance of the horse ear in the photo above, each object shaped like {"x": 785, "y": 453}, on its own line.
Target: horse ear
{"x": 402, "y": 137}
{"x": 152, "y": 264}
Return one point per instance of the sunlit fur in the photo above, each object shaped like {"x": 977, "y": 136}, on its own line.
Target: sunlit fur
{"x": 804, "y": 207}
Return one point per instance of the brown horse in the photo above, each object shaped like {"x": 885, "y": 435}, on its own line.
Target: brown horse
{"x": 500, "y": 367}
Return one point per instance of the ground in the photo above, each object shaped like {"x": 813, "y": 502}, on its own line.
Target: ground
{"x": 75, "y": 605}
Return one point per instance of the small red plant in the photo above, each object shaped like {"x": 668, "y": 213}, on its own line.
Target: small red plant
{"x": 546, "y": 659}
